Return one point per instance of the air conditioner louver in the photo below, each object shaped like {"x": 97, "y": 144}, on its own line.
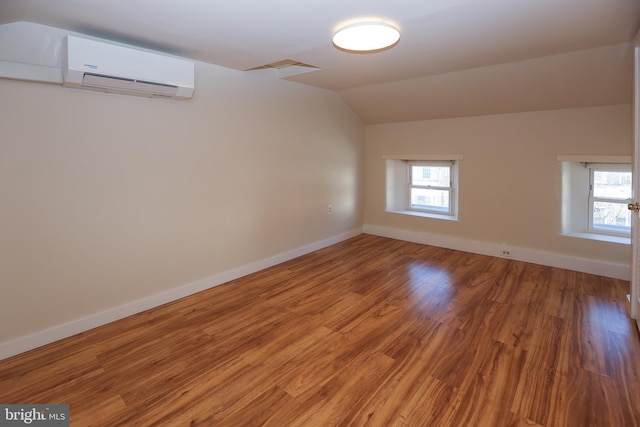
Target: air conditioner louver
{"x": 100, "y": 66}
{"x": 117, "y": 83}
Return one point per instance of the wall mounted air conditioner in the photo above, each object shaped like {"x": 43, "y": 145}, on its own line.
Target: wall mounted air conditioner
{"x": 94, "y": 65}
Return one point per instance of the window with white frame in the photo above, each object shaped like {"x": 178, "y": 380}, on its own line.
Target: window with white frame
{"x": 423, "y": 187}
{"x": 609, "y": 195}
{"x": 431, "y": 187}
{"x": 595, "y": 193}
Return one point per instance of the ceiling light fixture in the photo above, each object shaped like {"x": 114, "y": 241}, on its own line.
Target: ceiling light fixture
{"x": 368, "y": 36}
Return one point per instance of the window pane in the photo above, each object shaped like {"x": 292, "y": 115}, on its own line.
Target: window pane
{"x": 612, "y": 185}
{"x": 430, "y": 199}
{"x": 611, "y": 215}
{"x": 430, "y": 175}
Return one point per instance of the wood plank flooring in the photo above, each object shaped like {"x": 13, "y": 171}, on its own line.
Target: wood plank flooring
{"x": 370, "y": 331}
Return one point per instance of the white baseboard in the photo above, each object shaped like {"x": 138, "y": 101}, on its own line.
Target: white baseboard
{"x": 58, "y": 332}
{"x": 55, "y": 333}
{"x": 583, "y": 265}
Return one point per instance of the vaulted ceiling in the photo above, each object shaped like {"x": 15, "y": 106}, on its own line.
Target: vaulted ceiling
{"x": 454, "y": 58}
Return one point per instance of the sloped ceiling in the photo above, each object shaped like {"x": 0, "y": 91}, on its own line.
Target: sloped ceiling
{"x": 455, "y": 57}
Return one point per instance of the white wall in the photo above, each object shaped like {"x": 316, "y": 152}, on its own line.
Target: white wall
{"x": 510, "y": 179}
{"x": 598, "y": 76}
{"x": 108, "y": 199}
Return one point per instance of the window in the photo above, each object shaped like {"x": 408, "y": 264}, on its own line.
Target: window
{"x": 609, "y": 194}
{"x": 424, "y": 187}
{"x": 430, "y": 187}
{"x": 595, "y": 194}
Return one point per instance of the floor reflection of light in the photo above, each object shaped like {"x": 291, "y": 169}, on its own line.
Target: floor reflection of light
{"x": 429, "y": 283}
{"x": 606, "y": 315}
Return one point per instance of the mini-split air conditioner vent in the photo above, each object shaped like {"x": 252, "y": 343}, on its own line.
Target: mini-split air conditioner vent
{"x": 123, "y": 84}
{"x": 105, "y": 67}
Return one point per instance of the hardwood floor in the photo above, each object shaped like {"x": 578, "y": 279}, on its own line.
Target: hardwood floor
{"x": 371, "y": 331}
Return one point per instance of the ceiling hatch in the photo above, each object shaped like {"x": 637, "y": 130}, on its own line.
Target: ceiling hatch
{"x": 288, "y": 67}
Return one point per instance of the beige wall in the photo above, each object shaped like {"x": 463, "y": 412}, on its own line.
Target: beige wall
{"x": 510, "y": 179}
{"x": 109, "y": 198}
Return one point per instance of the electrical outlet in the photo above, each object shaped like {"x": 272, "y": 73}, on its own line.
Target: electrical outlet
{"x": 504, "y": 251}
{"x": 330, "y": 209}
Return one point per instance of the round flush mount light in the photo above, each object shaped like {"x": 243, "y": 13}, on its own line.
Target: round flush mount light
{"x": 368, "y": 36}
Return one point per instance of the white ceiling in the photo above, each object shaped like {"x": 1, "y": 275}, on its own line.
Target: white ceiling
{"x": 454, "y": 58}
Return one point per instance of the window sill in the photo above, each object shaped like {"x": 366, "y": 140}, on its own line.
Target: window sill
{"x": 601, "y": 237}
{"x": 425, "y": 215}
